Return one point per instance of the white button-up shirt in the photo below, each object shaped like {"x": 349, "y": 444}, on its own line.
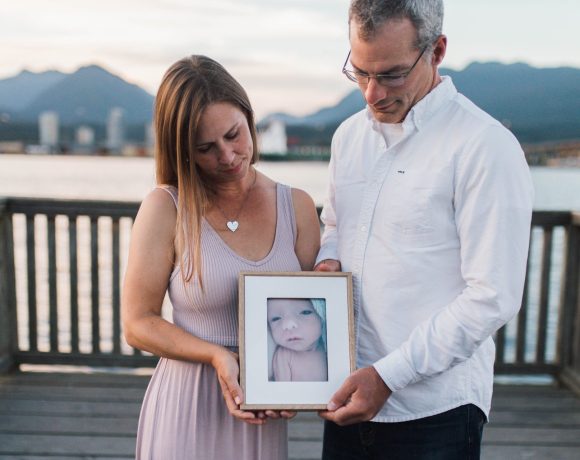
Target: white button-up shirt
{"x": 434, "y": 228}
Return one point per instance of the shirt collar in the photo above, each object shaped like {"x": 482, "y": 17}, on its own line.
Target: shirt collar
{"x": 425, "y": 108}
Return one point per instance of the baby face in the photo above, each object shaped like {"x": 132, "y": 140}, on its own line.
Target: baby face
{"x": 294, "y": 323}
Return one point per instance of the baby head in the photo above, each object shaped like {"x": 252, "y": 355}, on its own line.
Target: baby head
{"x": 297, "y": 324}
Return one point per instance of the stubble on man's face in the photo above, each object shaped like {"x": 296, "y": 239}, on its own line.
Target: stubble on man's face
{"x": 391, "y": 50}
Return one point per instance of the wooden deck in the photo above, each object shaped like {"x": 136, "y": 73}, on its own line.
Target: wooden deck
{"x": 81, "y": 416}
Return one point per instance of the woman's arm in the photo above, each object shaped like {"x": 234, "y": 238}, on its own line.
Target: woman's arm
{"x": 150, "y": 263}
{"x": 308, "y": 227}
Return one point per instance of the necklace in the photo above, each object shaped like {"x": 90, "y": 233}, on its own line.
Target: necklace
{"x": 233, "y": 224}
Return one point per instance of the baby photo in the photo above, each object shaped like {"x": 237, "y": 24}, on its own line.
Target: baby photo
{"x": 297, "y": 340}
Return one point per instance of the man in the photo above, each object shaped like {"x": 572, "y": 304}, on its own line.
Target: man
{"x": 429, "y": 207}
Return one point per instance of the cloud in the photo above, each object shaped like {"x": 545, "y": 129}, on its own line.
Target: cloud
{"x": 264, "y": 43}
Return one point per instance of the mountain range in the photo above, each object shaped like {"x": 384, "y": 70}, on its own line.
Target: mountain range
{"x": 84, "y": 96}
{"x": 538, "y": 104}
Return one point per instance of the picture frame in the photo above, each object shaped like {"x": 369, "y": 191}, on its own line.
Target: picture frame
{"x": 296, "y": 338}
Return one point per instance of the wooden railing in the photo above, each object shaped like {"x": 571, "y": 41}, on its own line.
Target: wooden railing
{"x": 543, "y": 338}
{"x": 61, "y": 266}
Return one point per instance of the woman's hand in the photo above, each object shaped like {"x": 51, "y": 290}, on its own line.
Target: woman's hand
{"x": 287, "y": 414}
{"x": 225, "y": 363}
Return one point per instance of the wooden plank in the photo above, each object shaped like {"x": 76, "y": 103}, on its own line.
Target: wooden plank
{"x": 112, "y": 380}
{"x": 532, "y": 435}
{"x": 8, "y": 313}
{"x": 96, "y": 328}
{"x": 563, "y": 403}
{"x": 15, "y": 392}
{"x": 116, "y": 288}
{"x": 535, "y": 418}
{"x": 50, "y": 424}
{"x": 525, "y": 390}
{"x": 31, "y": 281}
{"x": 63, "y": 456}
{"x": 544, "y": 296}
{"x": 86, "y": 359}
{"x": 528, "y": 453}
{"x": 523, "y": 315}
{"x": 51, "y": 445}
{"x": 569, "y": 332}
{"x": 500, "y": 345}
{"x": 305, "y": 450}
{"x": 73, "y": 207}
{"x": 52, "y": 284}
{"x": 300, "y": 429}
{"x": 69, "y": 408}
{"x": 551, "y": 218}
{"x": 45, "y": 415}
{"x": 74, "y": 296}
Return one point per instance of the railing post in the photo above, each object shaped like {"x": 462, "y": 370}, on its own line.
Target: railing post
{"x": 8, "y": 328}
{"x": 570, "y": 329}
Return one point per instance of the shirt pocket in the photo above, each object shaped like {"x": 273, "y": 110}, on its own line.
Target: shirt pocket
{"x": 348, "y": 198}
{"x": 418, "y": 211}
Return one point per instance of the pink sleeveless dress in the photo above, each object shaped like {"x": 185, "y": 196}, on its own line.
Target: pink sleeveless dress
{"x": 184, "y": 415}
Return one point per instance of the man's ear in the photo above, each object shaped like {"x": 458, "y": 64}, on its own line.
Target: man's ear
{"x": 439, "y": 50}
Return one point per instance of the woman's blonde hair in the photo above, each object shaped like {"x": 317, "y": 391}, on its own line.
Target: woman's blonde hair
{"x": 188, "y": 87}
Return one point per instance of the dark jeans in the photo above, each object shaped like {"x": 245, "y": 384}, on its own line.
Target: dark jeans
{"x": 452, "y": 435}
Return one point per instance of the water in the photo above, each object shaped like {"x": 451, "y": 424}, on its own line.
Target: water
{"x": 119, "y": 178}
{"x": 130, "y": 179}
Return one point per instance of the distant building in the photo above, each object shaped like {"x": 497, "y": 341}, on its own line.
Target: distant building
{"x": 48, "y": 127}
{"x": 115, "y": 130}
{"x": 85, "y": 136}
{"x": 149, "y": 138}
{"x": 273, "y": 139}
{"x": 12, "y": 147}
{"x": 84, "y": 140}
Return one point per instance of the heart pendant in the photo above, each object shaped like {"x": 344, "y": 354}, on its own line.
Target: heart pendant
{"x": 232, "y": 225}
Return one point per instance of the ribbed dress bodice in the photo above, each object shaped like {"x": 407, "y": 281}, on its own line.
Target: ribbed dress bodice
{"x": 212, "y": 314}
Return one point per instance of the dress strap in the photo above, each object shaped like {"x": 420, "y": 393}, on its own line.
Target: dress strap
{"x": 172, "y": 190}
{"x": 286, "y": 210}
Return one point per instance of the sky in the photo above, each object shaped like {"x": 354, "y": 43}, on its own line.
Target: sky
{"x": 286, "y": 53}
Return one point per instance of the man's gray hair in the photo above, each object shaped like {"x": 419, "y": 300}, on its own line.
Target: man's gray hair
{"x": 425, "y": 15}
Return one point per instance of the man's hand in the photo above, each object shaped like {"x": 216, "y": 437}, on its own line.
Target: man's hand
{"x": 359, "y": 399}
{"x": 327, "y": 265}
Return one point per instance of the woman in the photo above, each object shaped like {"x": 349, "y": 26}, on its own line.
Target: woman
{"x": 211, "y": 216}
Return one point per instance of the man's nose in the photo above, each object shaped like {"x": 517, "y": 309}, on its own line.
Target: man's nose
{"x": 374, "y": 92}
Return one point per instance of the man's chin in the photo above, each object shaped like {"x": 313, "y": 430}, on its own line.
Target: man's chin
{"x": 387, "y": 117}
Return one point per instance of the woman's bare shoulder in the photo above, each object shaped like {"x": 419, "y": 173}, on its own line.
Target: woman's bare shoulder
{"x": 302, "y": 199}
{"x": 157, "y": 214}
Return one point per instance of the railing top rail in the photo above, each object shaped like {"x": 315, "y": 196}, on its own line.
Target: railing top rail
{"x": 76, "y": 207}
{"x": 551, "y": 218}
{"x": 70, "y": 207}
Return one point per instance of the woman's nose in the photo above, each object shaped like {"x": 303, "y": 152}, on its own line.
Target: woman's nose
{"x": 226, "y": 154}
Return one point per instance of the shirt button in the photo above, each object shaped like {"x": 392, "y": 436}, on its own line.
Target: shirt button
{"x": 364, "y": 228}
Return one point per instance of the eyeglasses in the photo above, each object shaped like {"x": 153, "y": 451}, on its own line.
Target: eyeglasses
{"x": 384, "y": 79}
